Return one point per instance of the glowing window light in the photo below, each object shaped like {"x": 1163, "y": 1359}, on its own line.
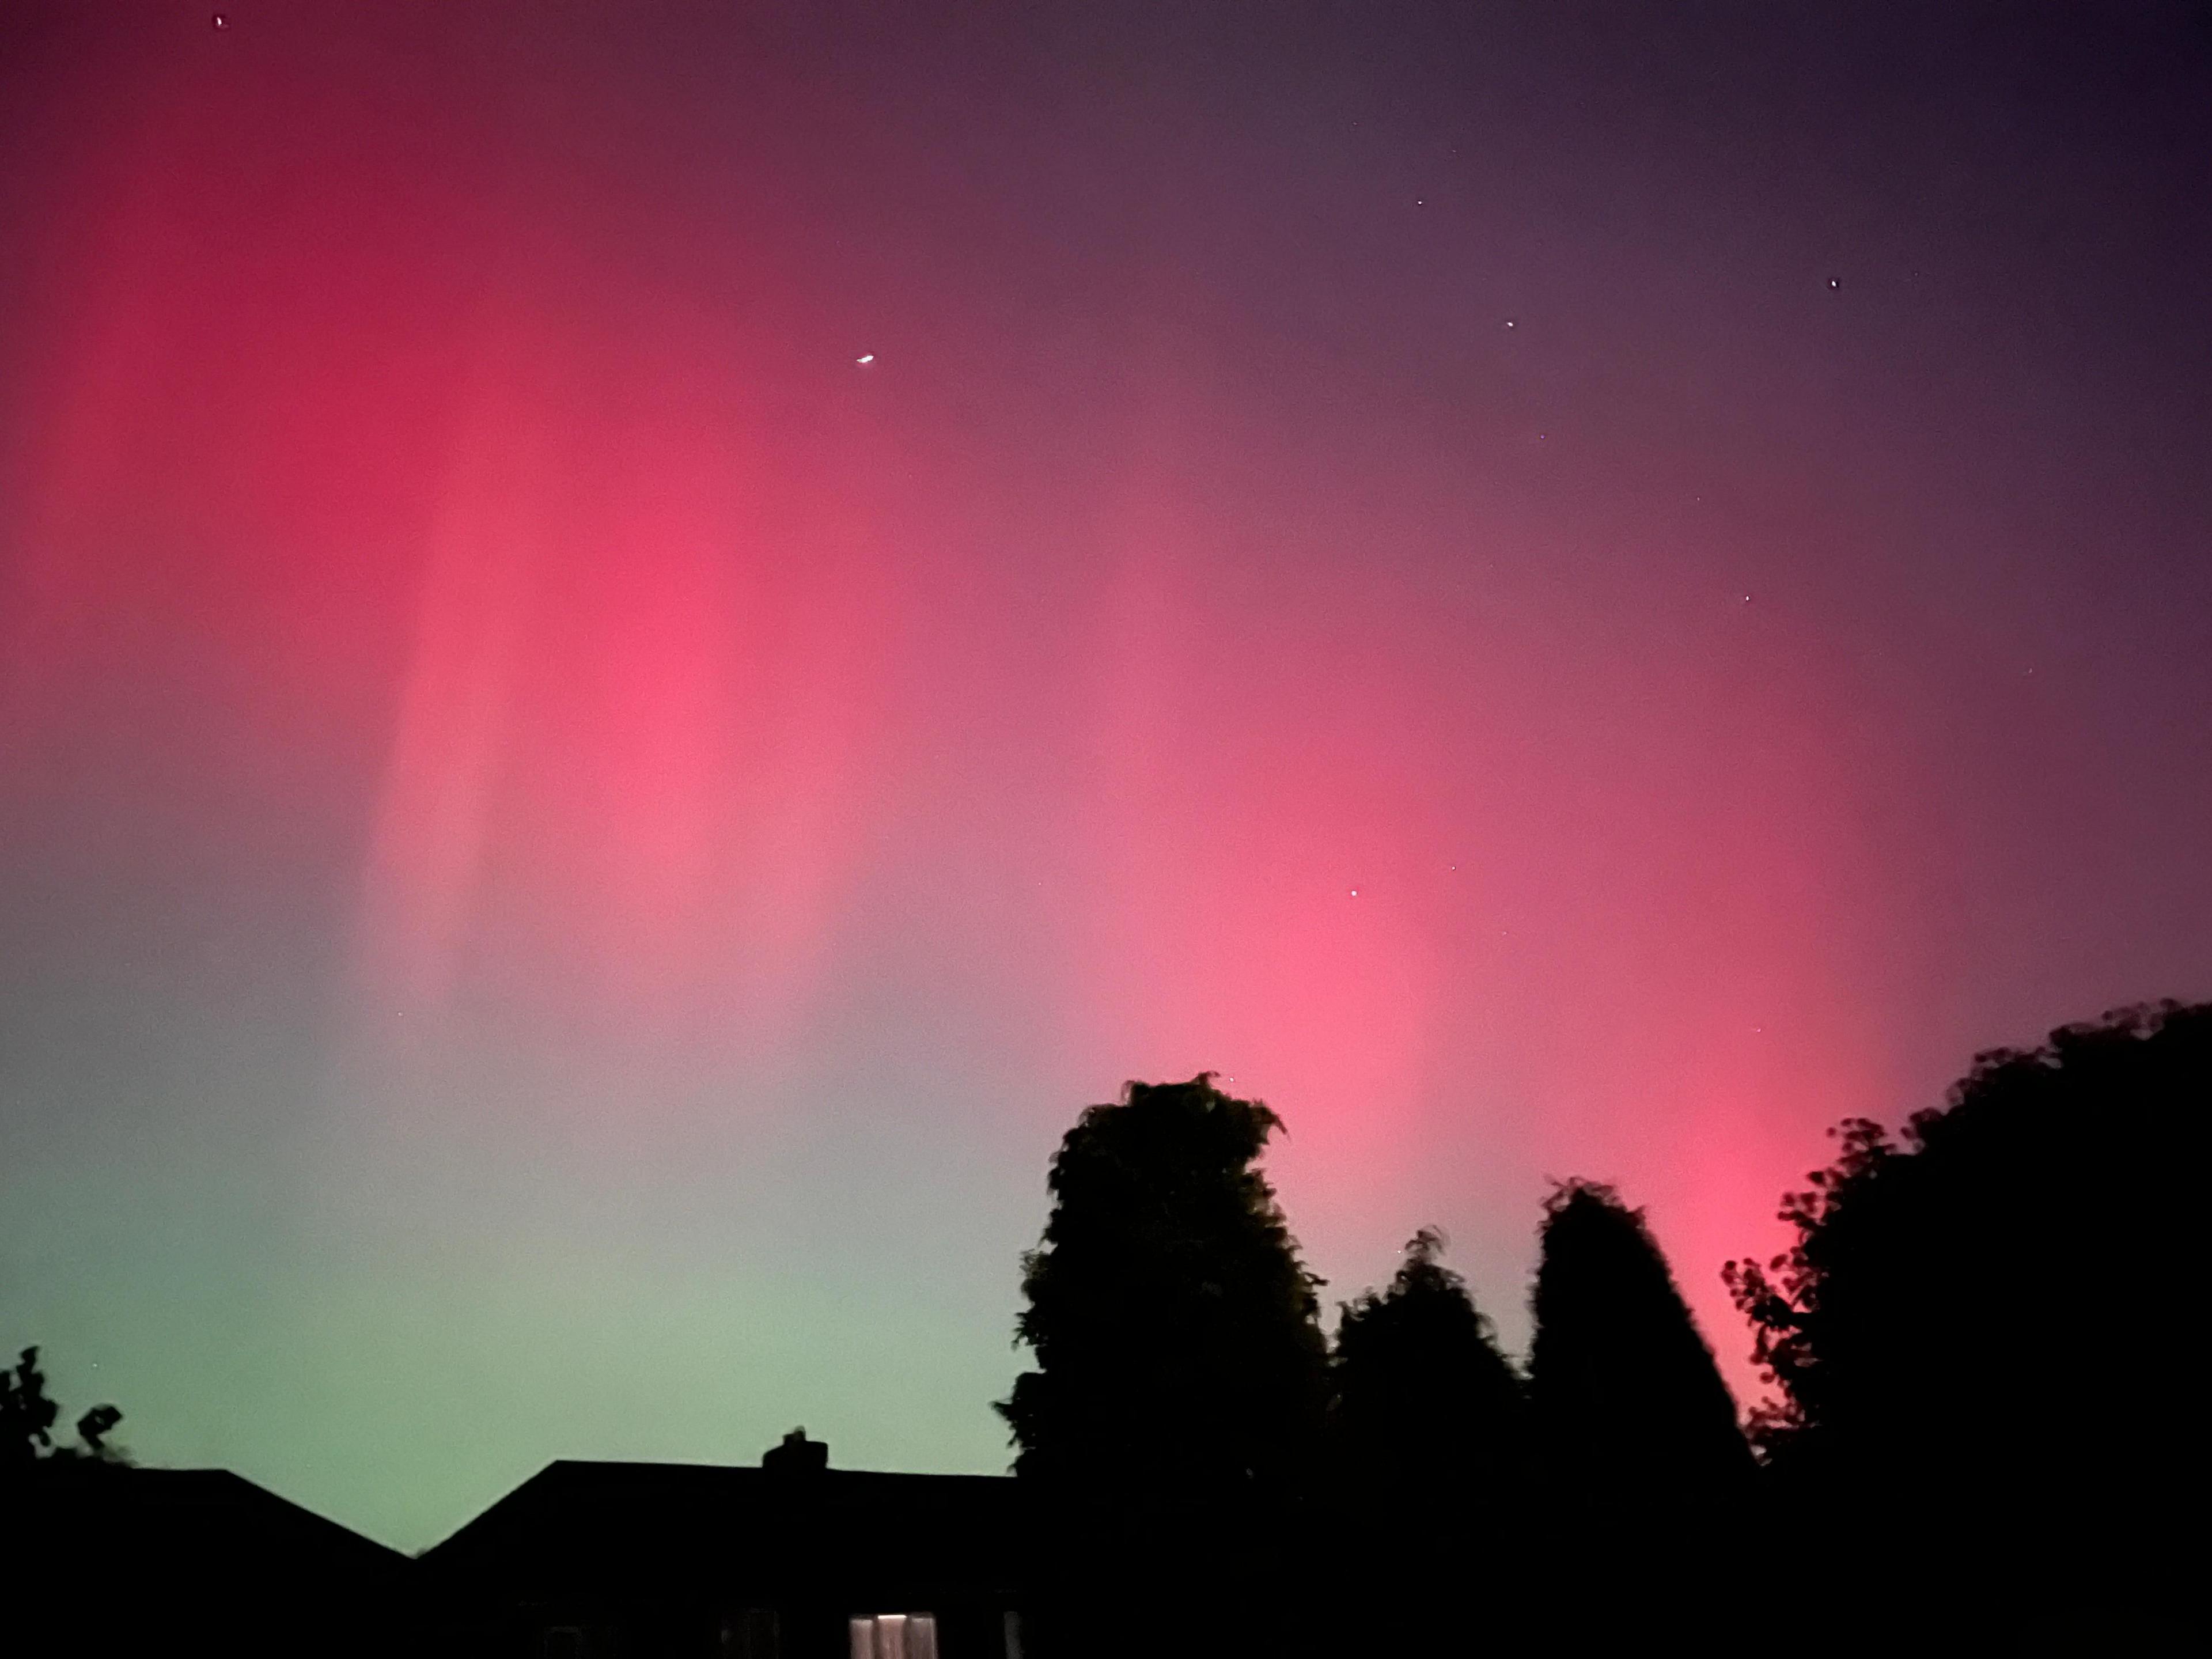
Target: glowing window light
{"x": 893, "y": 1636}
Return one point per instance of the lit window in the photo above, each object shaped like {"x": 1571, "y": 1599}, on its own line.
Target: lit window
{"x": 893, "y": 1636}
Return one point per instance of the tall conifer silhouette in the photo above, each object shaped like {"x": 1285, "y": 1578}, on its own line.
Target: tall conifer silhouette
{"x": 1173, "y": 1419}
{"x": 1429, "y": 1454}
{"x": 1643, "y": 1466}
{"x": 1627, "y": 1400}
{"x": 1427, "y": 1414}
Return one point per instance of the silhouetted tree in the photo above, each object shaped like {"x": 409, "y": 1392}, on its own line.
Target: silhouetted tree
{"x": 1627, "y": 1400}
{"x": 92, "y": 1431}
{"x": 1426, "y": 1412}
{"x": 1428, "y": 1453}
{"x": 28, "y": 1414}
{"x": 1976, "y": 1316}
{"x": 1644, "y": 1465}
{"x": 1181, "y": 1374}
{"x": 54, "y": 1543}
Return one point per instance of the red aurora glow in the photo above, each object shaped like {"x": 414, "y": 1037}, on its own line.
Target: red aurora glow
{"x": 472, "y": 618}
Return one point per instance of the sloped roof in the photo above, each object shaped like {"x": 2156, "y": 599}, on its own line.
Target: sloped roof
{"x": 766, "y": 1536}
{"x": 197, "y": 1517}
{"x": 120, "y": 1555}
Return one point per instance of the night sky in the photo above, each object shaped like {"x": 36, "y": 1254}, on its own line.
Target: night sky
{"x": 641, "y": 643}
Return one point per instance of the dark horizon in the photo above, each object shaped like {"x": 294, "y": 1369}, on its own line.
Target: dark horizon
{"x": 1203, "y": 1469}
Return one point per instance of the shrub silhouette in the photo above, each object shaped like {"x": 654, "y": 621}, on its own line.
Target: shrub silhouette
{"x": 27, "y": 1416}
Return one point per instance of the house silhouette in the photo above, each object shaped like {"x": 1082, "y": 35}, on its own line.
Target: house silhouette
{"x": 116, "y": 1560}
{"x": 791, "y": 1560}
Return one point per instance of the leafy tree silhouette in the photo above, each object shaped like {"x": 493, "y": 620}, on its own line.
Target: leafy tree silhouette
{"x": 1172, "y": 1420}
{"x": 27, "y": 1416}
{"x": 1929, "y": 1391}
{"x": 50, "y": 1544}
{"x": 1428, "y": 1450}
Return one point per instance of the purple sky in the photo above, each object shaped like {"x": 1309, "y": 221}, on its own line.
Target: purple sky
{"x": 1554, "y": 590}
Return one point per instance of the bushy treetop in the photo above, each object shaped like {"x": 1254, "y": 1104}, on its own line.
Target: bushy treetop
{"x": 1918, "y": 1316}
{"x": 1176, "y": 1330}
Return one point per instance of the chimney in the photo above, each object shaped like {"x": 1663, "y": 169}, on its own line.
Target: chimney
{"x": 797, "y": 1455}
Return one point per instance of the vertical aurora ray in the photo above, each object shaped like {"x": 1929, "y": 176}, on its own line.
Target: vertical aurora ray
{"x": 621, "y": 758}
{"x": 456, "y": 710}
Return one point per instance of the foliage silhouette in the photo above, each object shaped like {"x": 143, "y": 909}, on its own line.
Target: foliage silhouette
{"x": 1173, "y": 1420}
{"x": 28, "y": 1414}
{"x": 1644, "y": 1470}
{"x": 1915, "y": 1330}
{"x": 1429, "y": 1454}
{"x": 1427, "y": 1413}
{"x": 1627, "y": 1400}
